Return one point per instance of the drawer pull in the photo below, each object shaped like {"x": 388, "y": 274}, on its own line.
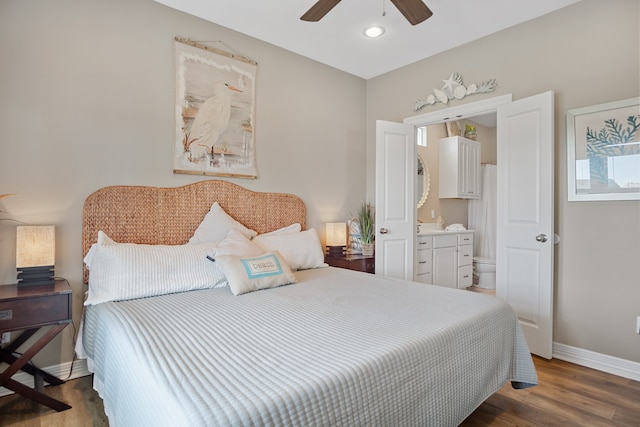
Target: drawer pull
{"x": 6, "y": 314}
{"x": 422, "y": 243}
{"x": 465, "y": 276}
{"x": 422, "y": 262}
{"x": 465, "y": 255}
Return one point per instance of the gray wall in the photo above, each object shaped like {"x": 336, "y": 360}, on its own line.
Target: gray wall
{"x": 87, "y": 100}
{"x": 588, "y": 54}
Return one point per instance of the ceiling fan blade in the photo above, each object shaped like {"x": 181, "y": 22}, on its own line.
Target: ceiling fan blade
{"x": 318, "y": 10}
{"x": 414, "y": 10}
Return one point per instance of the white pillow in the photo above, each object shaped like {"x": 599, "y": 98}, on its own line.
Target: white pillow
{"x": 216, "y": 225}
{"x": 301, "y": 250}
{"x": 293, "y": 228}
{"x": 122, "y": 271}
{"x": 237, "y": 244}
{"x": 247, "y": 274}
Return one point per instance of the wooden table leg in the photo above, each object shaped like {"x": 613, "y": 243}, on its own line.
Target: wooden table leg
{"x": 9, "y": 358}
{"x": 31, "y": 351}
{"x": 35, "y": 395}
{"x": 21, "y": 339}
{"x": 20, "y": 362}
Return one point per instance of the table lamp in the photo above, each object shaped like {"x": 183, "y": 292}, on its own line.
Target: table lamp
{"x": 35, "y": 254}
{"x": 336, "y": 240}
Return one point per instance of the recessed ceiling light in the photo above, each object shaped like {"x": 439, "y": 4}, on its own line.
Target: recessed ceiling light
{"x": 374, "y": 31}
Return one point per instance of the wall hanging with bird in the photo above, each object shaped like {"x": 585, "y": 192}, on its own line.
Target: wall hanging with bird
{"x": 215, "y": 112}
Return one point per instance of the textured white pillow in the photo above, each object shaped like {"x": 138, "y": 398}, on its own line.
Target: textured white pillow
{"x": 237, "y": 244}
{"x": 301, "y": 250}
{"x": 247, "y": 274}
{"x": 122, "y": 271}
{"x": 216, "y": 225}
{"x": 293, "y": 228}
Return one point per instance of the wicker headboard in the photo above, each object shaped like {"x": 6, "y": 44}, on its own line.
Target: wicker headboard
{"x": 169, "y": 216}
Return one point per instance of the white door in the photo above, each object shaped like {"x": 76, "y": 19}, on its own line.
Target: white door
{"x": 395, "y": 199}
{"x": 524, "y": 258}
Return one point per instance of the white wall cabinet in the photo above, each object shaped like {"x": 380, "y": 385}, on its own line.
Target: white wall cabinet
{"x": 445, "y": 258}
{"x": 459, "y": 165}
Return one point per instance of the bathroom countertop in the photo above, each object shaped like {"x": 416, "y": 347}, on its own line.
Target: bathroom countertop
{"x": 435, "y": 231}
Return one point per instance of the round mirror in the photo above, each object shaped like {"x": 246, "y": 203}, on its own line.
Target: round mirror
{"x": 423, "y": 182}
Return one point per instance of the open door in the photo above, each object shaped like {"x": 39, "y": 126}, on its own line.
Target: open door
{"x": 395, "y": 205}
{"x": 525, "y": 229}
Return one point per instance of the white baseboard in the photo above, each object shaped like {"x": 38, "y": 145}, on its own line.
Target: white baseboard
{"x": 59, "y": 371}
{"x": 601, "y": 362}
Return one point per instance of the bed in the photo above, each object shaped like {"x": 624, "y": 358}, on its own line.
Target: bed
{"x": 332, "y": 348}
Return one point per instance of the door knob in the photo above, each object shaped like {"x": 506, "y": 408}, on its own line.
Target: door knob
{"x": 541, "y": 238}
{"x": 383, "y": 231}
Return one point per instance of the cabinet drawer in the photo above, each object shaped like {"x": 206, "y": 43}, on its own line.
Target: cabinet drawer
{"x": 32, "y": 312}
{"x": 424, "y": 261}
{"x": 424, "y": 278}
{"x": 424, "y": 242}
{"x": 445, "y": 241}
{"x": 465, "y": 255}
{"x": 465, "y": 276}
{"x": 465, "y": 239}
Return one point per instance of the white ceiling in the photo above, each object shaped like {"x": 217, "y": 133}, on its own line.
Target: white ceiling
{"x": 338, "y": 40}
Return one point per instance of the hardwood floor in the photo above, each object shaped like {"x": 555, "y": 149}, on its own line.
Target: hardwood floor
{"x": 568, "y": 395}
{"x": 86, "y": 411}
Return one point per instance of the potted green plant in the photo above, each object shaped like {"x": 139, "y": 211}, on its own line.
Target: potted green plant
{"x": 470, "y": 132}
{"x": 367, "y": 224}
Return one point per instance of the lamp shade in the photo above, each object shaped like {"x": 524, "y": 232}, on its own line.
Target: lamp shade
{"x": 35, "y": 246}
{"x": 35, "y": 254}
{"x": 336, "y": 234}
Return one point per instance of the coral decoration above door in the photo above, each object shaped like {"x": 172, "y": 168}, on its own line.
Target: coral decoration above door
{"x": 454, "y": 88}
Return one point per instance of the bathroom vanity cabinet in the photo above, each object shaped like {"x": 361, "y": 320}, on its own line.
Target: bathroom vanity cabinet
{"x": 424, "y": 259}
{"x": 459, "y": 168}
{"x": 445, "y": 258}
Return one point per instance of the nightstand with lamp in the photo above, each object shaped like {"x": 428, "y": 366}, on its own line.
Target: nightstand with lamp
{"x": 36, "y": 301}
{"x": 336, "y": 241}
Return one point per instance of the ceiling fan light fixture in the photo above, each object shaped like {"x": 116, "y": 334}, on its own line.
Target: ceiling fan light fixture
{"x": 374, "y": 31}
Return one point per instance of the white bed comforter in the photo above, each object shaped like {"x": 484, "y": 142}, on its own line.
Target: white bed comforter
{"x": 340, "y": 348}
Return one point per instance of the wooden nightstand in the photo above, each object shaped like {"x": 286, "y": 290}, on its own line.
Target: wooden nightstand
{"x": 363, "y": 263}
{"x": 29, "y": 309}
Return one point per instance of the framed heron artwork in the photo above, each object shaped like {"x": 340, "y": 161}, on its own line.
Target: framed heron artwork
{"x": 215, "y": 112}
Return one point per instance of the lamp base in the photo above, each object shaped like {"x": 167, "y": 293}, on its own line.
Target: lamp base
{"x": 35, "y": 276}
{"x": 336, "y": 251}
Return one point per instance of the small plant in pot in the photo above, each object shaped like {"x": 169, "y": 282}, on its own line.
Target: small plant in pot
{"x": 367, "y": 225}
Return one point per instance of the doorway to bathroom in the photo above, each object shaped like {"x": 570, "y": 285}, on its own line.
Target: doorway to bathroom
{"x": 524, "y": 259}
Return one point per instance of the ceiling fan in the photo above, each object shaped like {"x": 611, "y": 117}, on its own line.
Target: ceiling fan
{"x": 414, "y": 10}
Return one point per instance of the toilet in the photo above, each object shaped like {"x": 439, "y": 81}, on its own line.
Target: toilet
{"x": 484, "y": 272}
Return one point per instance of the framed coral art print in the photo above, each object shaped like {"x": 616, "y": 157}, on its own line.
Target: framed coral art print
{"x": 214, "y": 112}
{"x": 603, "y": 151}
